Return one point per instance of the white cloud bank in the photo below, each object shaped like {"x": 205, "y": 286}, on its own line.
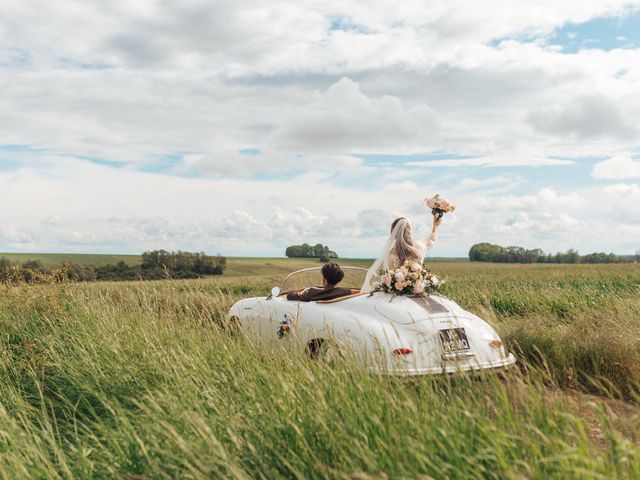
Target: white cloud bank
{"x": 586, "y": 117}
{"x": 345, "y": 119}
{"x": 617, "y": 168}
{"x": 91, "y": 208}
{"x": 267, "y": 110}
{"x": 132, "y": 82}
{"x": 504, "y": 159}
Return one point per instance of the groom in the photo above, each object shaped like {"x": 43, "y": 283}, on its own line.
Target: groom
{"x": 332, "y": 274}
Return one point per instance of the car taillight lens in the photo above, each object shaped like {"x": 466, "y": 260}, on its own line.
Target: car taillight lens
{"x": 402, "y": 351}
{"x": 495, "y": 343}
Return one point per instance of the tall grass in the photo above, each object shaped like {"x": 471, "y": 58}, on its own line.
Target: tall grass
{"x": 580, "y": 322}
{"x": 137, "y": 381}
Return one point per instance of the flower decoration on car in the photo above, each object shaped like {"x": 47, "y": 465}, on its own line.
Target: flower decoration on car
{"x": 285, "y": 326}
{"x": 411, "y": 278}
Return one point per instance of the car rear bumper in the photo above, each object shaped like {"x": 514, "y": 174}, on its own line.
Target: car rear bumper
{"x": 448, "y": 368}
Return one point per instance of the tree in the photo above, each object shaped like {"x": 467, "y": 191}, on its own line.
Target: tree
{"x": 307, "y": 251}
{"x": 78, "y": 273}
{"x": 183, "y": 264}
{"x": 487, "y": 252}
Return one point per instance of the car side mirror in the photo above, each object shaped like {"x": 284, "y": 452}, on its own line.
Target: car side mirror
{"x": 275, "y": 291}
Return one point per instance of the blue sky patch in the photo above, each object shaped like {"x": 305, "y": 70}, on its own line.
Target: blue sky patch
{"x": 604, "y": 33}
{"x": 16, "y": 58}
{"x": 346, "y": 25}
{"x": 163, "y": 164}
{"x": 251, "y": 152}
{"x": 102, "y": 161}
{"x": 16, "y": 148}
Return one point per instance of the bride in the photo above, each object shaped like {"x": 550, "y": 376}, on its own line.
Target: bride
{"x": 400, "y": 247}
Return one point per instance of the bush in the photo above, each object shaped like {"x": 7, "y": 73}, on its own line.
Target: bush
{"x": 307, "y": 251}
{"x": 156, "y": 265}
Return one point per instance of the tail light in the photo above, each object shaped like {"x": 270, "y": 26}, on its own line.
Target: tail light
{"x": 402, "y": 351}
{"x": 495, "y": 343}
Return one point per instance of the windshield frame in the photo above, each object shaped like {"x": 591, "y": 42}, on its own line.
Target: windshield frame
{"x": 318, "y": 269}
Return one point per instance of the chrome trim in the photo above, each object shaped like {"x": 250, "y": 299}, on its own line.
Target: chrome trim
{"x": 448, "y": 357}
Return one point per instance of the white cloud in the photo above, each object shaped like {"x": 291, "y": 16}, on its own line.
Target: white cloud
{"x": 242, "y": 225}
{"x": 491, "y": 185}
{"x": 546, "y": 200}
{"x": 624, "y": 190}
{"x": 345, "y": 119}
{"x": 186, "y": 78}
{"x": 585, "y": 117}
{"x": 97, "y": 208}
{"x": 515, "y": 159}
{"x": 188, "y": 88}
{"x": 616, "y": 168}
{"x": 289, "y": 36}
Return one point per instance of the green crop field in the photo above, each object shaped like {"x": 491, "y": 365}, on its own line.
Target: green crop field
{"x": 236, "y": 265}
{"x": 51, "y": 259}
{"x": 139, "y": 380}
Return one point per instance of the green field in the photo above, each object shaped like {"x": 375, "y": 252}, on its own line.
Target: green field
{"x": 236, "y": 265}
{"x": 51, "y": 259}
{"x": 138, "y": 380}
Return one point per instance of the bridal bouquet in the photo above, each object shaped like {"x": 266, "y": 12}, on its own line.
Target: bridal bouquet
{"x": 411, "y": 278}
{"x": 438, "y": 205}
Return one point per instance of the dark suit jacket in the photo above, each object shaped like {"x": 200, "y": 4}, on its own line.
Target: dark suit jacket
{"x": 314, "y": 294}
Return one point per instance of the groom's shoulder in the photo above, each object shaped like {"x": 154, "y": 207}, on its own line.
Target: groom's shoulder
{"x": 306, "y": 295}
{"x": 313, "y": 294}
{"x": 330, "y": 294}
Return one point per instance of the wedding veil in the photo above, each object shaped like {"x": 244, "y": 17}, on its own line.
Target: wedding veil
{"x": 396, "y": 238}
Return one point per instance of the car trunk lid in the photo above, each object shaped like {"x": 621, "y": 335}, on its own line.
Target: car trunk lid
{"x": 407, "y": 310}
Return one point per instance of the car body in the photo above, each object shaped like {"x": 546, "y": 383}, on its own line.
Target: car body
{"x": 395, "y": 335}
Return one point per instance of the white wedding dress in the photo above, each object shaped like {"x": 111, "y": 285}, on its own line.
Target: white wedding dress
{"x": 389, "y": 260}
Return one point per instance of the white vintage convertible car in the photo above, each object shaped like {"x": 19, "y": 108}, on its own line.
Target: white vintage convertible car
{"x": 395, "y": 335}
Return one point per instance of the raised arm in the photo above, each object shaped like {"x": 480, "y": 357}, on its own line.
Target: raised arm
{"x": 439, "y": 206}
{"x": 431, "y": 241}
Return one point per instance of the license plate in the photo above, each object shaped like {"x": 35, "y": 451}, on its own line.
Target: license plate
{"x": 454, "y": 340}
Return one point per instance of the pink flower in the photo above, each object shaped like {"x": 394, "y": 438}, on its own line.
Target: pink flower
{"x": 399, "y": 277}
{"x": 432, "y": 202}
{"x": 416, "y": 267}
{"x": 440, "y": 203}
{"x": 418, "y": 287}
{"x": 387, "y": 280}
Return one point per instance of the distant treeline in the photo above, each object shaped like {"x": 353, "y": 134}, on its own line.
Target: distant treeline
{"x": 156, "y": 265}
{"x": 488, "y": 252}
{"x": 308, "y": 251}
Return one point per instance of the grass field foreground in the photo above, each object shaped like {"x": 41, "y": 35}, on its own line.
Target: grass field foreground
{"x": 136, "y": 380}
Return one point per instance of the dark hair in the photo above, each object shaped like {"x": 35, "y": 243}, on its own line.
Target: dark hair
{"x": 395, "y": 222}
{"x": 332, "y": 273}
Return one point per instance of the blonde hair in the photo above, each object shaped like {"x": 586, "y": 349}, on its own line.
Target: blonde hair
{"x": 403, "y": 247}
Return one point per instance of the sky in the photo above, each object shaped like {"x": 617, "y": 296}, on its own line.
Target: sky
{"x": 244, "y": 127}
